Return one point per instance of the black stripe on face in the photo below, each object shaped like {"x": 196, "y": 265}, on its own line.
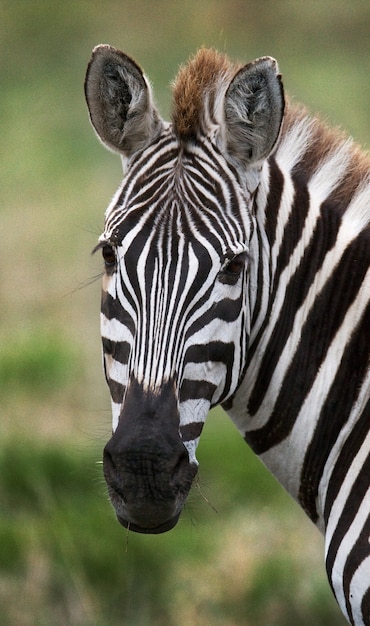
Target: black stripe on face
{"x": 117, "y": 390}
{"x": 119, "y": 350}
{"x": 113, "y": 309}
{"x": 196, "y": 390}
{"x": 216, "y": 351}
{"x": 228, "y": 310}
{"x": 191, "y": 431}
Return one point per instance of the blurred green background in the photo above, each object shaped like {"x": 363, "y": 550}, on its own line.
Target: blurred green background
{"x": 242, "y": 553}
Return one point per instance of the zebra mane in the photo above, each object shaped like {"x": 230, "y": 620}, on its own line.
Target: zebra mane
{"x": 310, "y": 142}
{"x": 198, "y": 97}
{"x": 196, "y": 91}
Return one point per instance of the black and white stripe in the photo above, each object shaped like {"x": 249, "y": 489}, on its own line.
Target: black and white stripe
{"x": 238, "y": 270}
{"x": 170, "y": 247}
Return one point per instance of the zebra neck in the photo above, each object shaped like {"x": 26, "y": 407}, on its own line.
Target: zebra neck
{"x": 309, "y": 260}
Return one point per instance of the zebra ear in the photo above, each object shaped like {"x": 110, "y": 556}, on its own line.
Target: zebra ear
{"x": 254, "y": 108}
{"x": 119, "y": 100}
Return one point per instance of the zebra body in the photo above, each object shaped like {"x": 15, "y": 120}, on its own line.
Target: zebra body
{"x": 237, "y": 255}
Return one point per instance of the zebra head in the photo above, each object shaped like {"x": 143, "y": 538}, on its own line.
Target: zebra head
{"x": 176, "y": 299}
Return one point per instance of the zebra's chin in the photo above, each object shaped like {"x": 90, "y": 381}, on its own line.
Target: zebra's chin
{"x": 152, "y": 530}
{"x": 149, "y": 505}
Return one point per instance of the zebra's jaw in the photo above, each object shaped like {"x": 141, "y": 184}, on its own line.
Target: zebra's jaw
{"x": 146, "y": 464}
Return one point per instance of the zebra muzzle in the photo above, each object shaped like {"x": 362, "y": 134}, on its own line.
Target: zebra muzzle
{"x": 146, "y": 465}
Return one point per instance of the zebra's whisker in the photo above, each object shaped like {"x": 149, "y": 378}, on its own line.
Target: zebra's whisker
{"x": 198, "y": 488}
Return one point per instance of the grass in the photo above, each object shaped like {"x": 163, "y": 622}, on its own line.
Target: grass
{"x": 36, "y": 362}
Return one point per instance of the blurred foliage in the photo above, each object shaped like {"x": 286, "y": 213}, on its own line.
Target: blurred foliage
{"x": 35, "y": 363}
{"x": 63, "y": 557}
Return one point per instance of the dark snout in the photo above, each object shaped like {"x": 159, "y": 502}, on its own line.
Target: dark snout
{"x": 146, "y": 465}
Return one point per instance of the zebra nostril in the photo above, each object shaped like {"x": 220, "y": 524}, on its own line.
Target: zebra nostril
{"x": 181, "y": 469}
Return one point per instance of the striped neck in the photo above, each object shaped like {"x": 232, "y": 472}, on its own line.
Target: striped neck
{"x": 305, "y": 246}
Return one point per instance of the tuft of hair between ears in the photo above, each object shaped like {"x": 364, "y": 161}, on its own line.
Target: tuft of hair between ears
{"x": 198, "y": 82}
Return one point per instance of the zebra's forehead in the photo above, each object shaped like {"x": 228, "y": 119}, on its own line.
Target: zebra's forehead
{"x": 189, "y": 190}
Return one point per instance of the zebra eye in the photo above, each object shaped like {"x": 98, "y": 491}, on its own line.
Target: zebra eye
{"x": 108, "y": 256}
{"x": 236, "y": 264}
{"x": 231, "y": 272}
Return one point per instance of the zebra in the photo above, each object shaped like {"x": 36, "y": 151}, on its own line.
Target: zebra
{"x": 236, "y": 254}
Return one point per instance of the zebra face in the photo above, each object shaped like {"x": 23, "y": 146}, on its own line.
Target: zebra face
{"x": 176, "y": 246}
{"x": 173, "y": 303}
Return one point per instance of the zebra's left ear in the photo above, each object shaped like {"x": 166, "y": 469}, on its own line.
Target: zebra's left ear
{"x": 119, "y": 100}
{"x": 254, "y": 109}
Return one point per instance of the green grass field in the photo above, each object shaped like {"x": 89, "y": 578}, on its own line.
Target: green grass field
{"x": 63, "y": 557}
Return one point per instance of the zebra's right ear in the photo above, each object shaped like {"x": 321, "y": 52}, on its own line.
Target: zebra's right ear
{"x": 119, "y": 100}
{"x": 254, "y": 109}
